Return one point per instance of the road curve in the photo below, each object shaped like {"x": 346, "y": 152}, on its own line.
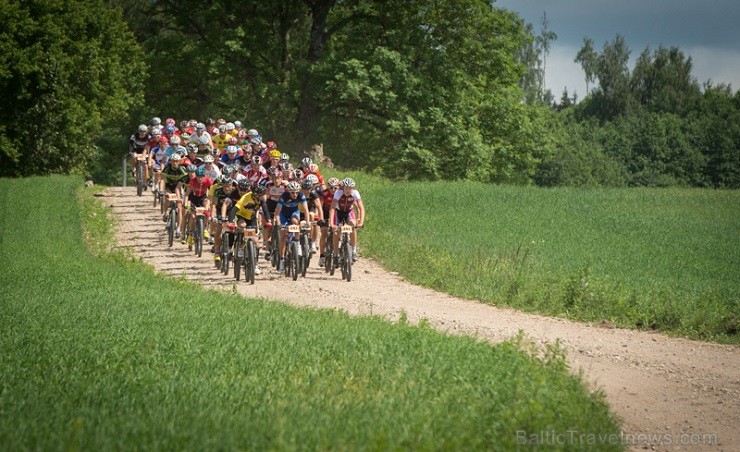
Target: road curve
{"x": 670, "y": 393}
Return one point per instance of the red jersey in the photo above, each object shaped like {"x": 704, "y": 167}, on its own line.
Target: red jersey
{"x": 200, "y": 188}
{"x": 327, "y": 196}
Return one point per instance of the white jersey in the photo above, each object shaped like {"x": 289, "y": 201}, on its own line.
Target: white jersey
{"x": 346, "y": 202}
{"x": 201, "y": 140}
{"x": 212, "y": 173}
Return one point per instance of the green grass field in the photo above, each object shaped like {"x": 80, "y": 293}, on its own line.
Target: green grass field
{"x": 665, "y": 259}
{"x": 100, "y": 353}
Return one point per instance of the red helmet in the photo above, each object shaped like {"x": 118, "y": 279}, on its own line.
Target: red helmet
{"x": 170, "y": 122}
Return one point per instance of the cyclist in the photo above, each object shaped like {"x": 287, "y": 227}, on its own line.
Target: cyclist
{"x": 257, "y": 145}
{"x": 246, "y": 209}
{"x": 224, "y": 190}
{"x": 173, "y": 177}
{"x": 234, "y": 172}
{"x": 230, "y": 129}
{"x": 138, "y": 145}
{"x": 255, "y": 172}
{"x": 211, "y": 126}
{"x": 222, "y": 139}
{"x": 346, "y": 202}
{"x": 274, "y": 190}
{"x": 274, "y": 159}
{"x": 154, "y": 137}
{"x": 232, "y": 157}
{"x": 305, "y": 163}
{"x": 327, "y": 196}
{"x": 193, "y": 155}
{"x": 314, "y": 169}
{"x": 157, "y": 159}
{"x": 315, "y": 212}
{"x": 212, "y": 171}
{"x": 197, "y": 196}
{"x": 171, "y": 130}
{"x": 266, "y": 153}
{"x": 287, "y": 211}
{"x": 201, "y": 138}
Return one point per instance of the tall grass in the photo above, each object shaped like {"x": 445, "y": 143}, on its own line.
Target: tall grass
{"x": 666, "y": 259}
{"x": 100, "y": 353}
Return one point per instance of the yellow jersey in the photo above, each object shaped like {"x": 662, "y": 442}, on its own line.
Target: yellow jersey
{"x": 220, "y": 142}
{"x": 247, "y": 206}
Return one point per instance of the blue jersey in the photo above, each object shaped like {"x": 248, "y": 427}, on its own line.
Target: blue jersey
{"x": 290, "y": 205}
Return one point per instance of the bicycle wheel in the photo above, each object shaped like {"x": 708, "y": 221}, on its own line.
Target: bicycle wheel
{"x": 347, "y": 261}
{"x": 328, "y": 252}
{"x": 305, "y": 255}
{"x": 199, "y": 236}
{"x": 250, "y": 261}
{"x": 294, "y": 260}
{"x": 171, "y": 227}
{"x": 139, "y": 178}
{"x": 288, "y": 257}
{"x": 275, "y": 248}
{"x": 238, "y": 257}
{"x": 225, "y": 253}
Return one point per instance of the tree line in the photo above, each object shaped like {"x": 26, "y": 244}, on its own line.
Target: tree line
{"x": 424, "y": 90}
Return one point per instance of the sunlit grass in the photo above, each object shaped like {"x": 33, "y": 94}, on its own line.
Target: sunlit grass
{"x": 101, "y": 353}
{"x": 666, "y": 259}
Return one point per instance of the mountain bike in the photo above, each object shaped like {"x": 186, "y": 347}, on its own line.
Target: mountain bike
{"x": 293, "y": 252}
{"x": 329, "y": 252}
{"x": 200, "y": 224}
{"x": 245, "y": 252}
{"x": 345, "y": 252}
{"x": 275, "y": 247}
{"x": 140, "y": 179}
{"x": 226, "y": 255}
{"x": 155, "y": 190}
{"x": 171, "y": 217}
{"x": 305, "y": 242}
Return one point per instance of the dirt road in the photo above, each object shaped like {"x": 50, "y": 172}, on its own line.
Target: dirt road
{"x": 671, "y": 394}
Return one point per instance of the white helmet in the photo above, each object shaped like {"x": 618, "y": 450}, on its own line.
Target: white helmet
{"x": 208, "y": 159}
{"x": 313, "y": 179}
{"x": 252, "y": 132}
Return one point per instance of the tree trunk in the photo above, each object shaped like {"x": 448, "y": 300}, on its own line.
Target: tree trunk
{"x": 308, "y": 109}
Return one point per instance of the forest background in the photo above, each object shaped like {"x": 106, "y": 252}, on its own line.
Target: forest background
{"x": 408, "y": 90}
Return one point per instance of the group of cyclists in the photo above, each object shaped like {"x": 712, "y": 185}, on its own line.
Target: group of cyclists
{"x": 239, "y": 178}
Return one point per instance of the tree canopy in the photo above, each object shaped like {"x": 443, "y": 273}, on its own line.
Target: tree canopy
{"x": 66, "y": 69}
{"x": 422, "y": 89}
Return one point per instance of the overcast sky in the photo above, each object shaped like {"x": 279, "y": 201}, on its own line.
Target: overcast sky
{"x": 706, "y": 30}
